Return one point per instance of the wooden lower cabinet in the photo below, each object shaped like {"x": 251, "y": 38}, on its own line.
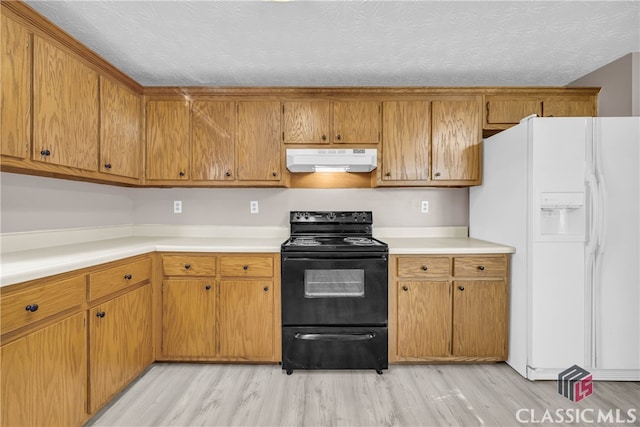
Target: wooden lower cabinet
{"x": 188, "y": 318}
{"x": 479, "y": 318}
{"x": 449, "y": 308}
{"x": 120, "y": 344}
{"x": 424, "y": 319}
{"x": 224, "y": 307}
{"x": 245, "y": 319}
{"x": 44, "y": 376}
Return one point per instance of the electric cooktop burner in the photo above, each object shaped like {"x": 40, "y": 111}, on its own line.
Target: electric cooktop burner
{"x": 359, "y": 241}
{"x": 305, "y": 241}
{"x": 332, "y": 232}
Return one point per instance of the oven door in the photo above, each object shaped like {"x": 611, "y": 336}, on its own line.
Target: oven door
{"x": 334, "y": 289}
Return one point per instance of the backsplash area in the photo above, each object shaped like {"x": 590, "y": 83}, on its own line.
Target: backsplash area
{"x": 33, "y": 203}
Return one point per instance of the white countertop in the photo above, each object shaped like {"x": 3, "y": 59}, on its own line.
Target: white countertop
{"x": 444, "y": 245}
{"x": 34, "y": 263}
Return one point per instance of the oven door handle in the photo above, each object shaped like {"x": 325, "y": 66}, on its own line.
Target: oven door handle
{"x": 360, "y": 258}
{"x": 335, "y": 337}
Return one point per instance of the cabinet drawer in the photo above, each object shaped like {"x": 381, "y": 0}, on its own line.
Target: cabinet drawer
{"x": 480, "y": 266}
{"x": 108, "y": 281}
{"x": 188, "y": 265}
{"x": 246, "y": 266}
{"x": 424, "y": 267}
{"x": 45, "y": 300}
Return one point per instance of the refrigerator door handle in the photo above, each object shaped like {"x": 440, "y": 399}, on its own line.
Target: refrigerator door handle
{"x": 591, "y": 251}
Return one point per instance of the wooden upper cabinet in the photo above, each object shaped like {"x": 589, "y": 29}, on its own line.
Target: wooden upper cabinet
{"x": 258, "y": 140}
{"x": 120, "y": 130}
{"x": 15, "y": 89}
{"x": 66, "y": 108}
{"x": 566, "y": 107}
{"x": 406, "y": 140}
{"x": 356, "y": 122}
{"x": 456, "y": 141}
{"x": 213, "y": 141}
{"x": 511, "y": 110}
{"x": 503, "y": 111}
{"x": 167, "y": 140}
{"x": 306, "y": 122}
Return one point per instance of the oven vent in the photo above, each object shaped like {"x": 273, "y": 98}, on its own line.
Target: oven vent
{"x": 331, "y": 160}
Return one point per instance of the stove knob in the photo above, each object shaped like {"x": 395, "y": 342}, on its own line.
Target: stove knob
{"x": 331, "y": 216}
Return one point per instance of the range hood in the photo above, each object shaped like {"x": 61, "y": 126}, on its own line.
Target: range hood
{"x": 332, "y": 160}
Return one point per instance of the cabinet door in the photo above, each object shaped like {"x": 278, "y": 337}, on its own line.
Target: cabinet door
{"x": 480, "y": 318}
{"x": 406, "y": 139}
{"x": 120, "y": 121}
{"x": 245, "y": 319}
{"x": 306, "y": 122}
{"x": 15, "y": 89}
{"x": 212, "y": 141}
{"x": 510, "y": 110}
{"x": 568, "y": 108}
{"x": 356, "y": 122}
{"x": 424, "y": 319}
{"x": 259, "y": 141}
{"x": 188, "y": 318}
{"x": 44, "y": 376}
{"x": 119, "y": 343}
{"x": 167, "y": 140}
{"x": 66, "y": 109}
{"x": 456, "y": 140}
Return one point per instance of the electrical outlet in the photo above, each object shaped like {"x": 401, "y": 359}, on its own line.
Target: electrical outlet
{"x": 177, "y": 206}
{"x": 253, "y": 207}
{"x": 424, "y": 206}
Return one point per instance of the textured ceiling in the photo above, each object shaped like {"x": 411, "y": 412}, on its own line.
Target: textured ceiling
{"x": 337, "y": 43}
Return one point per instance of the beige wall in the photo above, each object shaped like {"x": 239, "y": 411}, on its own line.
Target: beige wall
{"x": 34, "y": 203}
{"x": 31, "y": 203}
{"x": 620, "y": 82}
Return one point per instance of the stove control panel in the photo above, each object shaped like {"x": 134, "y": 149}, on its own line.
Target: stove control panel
{"x": 362, "y": 217}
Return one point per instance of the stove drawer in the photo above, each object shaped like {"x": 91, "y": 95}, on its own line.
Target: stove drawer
{"x": 424, "y": 267}
{"x": 334, "y": 348}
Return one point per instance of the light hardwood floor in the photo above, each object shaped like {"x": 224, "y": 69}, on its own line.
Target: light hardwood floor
{"x": 176, "y": 394}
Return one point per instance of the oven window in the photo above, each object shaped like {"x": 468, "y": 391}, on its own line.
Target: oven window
{"x": 334, "y": 283}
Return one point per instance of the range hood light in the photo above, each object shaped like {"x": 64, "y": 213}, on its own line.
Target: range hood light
{"x": 319, "y": 168}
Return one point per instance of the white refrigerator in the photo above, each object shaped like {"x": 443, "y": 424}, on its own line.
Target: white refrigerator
{"x": 565, "y": 192}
